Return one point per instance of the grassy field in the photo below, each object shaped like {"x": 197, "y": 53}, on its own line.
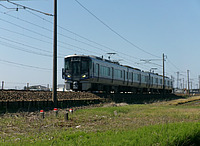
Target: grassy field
{"x": 166, "y": 123}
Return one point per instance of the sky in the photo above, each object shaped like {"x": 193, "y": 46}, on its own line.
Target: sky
{"x": 134, "y": 30}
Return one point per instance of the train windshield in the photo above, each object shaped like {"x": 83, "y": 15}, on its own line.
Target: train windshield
{"x": 77, "y": 65}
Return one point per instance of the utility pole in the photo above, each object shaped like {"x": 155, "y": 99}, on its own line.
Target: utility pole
{"x": 177, "y": 79}
{"x": 188, "y": 82}
{"x": 54, "y": 94}
{"x": 199, "y": 83}
{"x": 2, "y": 85}
{"x": 172, "y": 81}
{"x": 27, "y": 86}
{"x": 163, "y": 75}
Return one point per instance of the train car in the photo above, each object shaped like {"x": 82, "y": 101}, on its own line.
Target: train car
{"x": 91, "y": 73}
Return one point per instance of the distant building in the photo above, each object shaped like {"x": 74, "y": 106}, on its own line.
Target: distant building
{"x": 61, "y": 87}
{"x": 37, "y": 88}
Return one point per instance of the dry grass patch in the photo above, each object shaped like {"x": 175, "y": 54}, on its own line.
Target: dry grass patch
{"x": 179, "y": 101}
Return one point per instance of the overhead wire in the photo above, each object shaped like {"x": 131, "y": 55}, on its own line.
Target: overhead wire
{"x": 111, "y": 29}
{"x": 21, "y": 49}
{"x": 43, "y": 34}
{"x": 66, "y": 36}
{"x": 121, "y": 53}
{"x": 24, "y": 65}
{"x": 25, "y": 7}
{"x": 40, "y": 34}
{"x": 32, "y": 47}
{"x": 85, "y": 38}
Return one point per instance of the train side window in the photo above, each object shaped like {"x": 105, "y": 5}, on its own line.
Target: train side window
{"x": 156, "y": 80}
{"x": 134, "y": 76}
{"x": 108, "y": 71}
{"x": 138, "y": 77}
{"x": 130, "y": 75}
{"x": 96, "y": 68}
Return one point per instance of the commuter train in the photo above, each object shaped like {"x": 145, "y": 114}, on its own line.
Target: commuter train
{"x": 91, "y": 73}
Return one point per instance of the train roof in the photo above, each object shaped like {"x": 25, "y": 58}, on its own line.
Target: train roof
{"x": 95, "y": 57}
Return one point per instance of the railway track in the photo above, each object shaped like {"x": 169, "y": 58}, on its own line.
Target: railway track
{"x": 34, "y": 100}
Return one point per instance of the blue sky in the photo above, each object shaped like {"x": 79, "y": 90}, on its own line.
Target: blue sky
{"x": 155, "y": 26}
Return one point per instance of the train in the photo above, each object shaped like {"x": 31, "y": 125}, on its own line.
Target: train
{"x": 92, "y": 73}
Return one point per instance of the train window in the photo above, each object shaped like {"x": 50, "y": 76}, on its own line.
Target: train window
{"x": 160, "y": 81}
{"x": 143, "y": 79}
{"x": 108, "y": 71}
{"x": 67, "y": 64}
{"x": 156, "y": 80}
{"x": 101, "y": 70}
{"x": 121, "y": 75}
{"x": 84, "y": 66}
{"x": 146, "y": 79}
{"x": 118, "y": 74}
{"x": 76, "y": 68}
{"x": 135, "y": 77}
{"x": 129, "y": 75}
{"x": 138, "y": 77}
{"x": 105, "y": 71}
{"x": 96, "y": 68}
{"x": 115, "y": 73}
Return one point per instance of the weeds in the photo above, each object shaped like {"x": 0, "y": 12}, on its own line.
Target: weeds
{"x": 124, "y": 125}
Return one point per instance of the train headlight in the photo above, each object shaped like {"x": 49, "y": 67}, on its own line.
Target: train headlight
{"x": 84, "y": 76}
{"x": 69, "y": 76}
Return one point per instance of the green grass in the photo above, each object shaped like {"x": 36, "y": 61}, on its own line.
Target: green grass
{"x": 165, "y": 134}
{"x": 153, "y": 124}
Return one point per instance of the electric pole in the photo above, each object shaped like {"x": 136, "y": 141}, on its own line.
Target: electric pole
{"x": 188, "y": 82}
{"x": 54, "y": 94}
{"x": 163, "y": 75}
{"x": 2, "y": 85}
{"x": 199, "y": 83}
{"x": 177, "y": 79}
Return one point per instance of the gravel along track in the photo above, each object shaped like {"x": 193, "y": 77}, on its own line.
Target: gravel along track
{"x": 10, "y": 95}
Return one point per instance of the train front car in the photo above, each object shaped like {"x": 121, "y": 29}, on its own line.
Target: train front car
{"x": 76, "y": 72}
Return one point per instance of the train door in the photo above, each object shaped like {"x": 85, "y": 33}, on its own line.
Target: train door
{"x": 124, "y": 76}
{"x": 127, "y": 76}
{"x": 132, "y": 78}
{"x": 112, "y": 74}
{"x": 93, "y": 70}
{"x": 149, "y": 81}
{"x": 98, "y": 72}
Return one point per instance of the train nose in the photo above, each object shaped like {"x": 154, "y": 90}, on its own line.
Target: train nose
{"x": 75, "y": 85}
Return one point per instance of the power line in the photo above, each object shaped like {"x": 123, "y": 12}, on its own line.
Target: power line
{"x": 69, "y": 37}
{"x": 84, "y": 38}
{"x": 25, "y": 45}
{"x": 24, "y": 50}
{"x": 8, "y": 30}
{"x": 24, "y": 65}
{"x": 25, "y": 7}
{"x": 44, "y": 35}
{"x": 72, "y": 38}
{"x": 111, "y": 29}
